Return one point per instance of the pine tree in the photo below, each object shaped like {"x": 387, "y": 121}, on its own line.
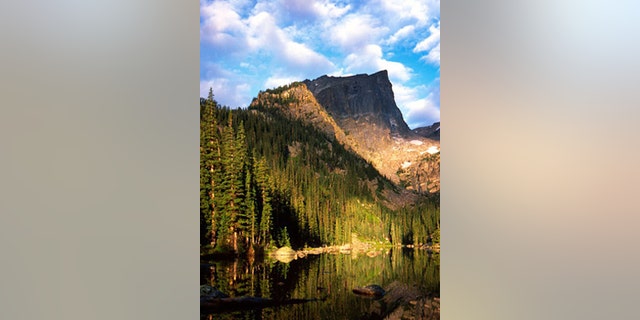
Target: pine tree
{"x": 264, "y": 189}
{"x": 233, "y": 161}
{"x": 209, "y": 145}
{"x": 248, "y": 225}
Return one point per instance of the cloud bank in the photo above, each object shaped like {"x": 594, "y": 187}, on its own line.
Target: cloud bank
{"x": 248, "y": 46}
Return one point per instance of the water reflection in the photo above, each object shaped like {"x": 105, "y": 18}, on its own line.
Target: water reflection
{"x": 327, "y": 276}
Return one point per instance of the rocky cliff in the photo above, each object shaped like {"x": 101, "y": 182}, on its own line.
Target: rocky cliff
{"x": 361, "y": 113}
{"x": 361, "y": 98}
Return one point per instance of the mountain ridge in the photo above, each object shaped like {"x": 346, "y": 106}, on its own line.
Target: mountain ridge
{"x": 431, "y": 132}
{"x": 360, "y": 112}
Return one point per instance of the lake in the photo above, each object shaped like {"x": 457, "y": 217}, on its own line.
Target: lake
{"x": 408, "y": 275}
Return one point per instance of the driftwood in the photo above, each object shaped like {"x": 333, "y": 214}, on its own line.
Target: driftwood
{"x": 373, "y": 290}
{"x": 218, "y": 305}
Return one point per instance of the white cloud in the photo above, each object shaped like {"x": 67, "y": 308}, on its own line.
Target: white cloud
{"x": 340, "y": 73}
{"x": 255, "y": 37}
{"x": 422, "y": 112}
{"x": 356, "y": 31}
{"x": 268, "y": 43}
{"x": 431, "y": 41}
{"x": 401, "y": 34}
{"x": 262, "y": 30}
{"x": 420, "y": 11}
{"x": 277, "y": 81}
{"x": 420, "y": 105}
{"x": 431, "y": 44}
{"x": 299, "y": 56}
{"x": 295, "y": 57}
{"x": 433, "y": 56}
{"x": 370, "y": 58}
{"x": 225, "y": 30}
{"x": 404, "y": 94}
{"x": 327, "y": 9}
{"x": 312, "y": 10}
{"x": 222, "y": 27}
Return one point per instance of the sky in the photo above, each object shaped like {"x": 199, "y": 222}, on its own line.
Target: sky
{"x": 248, "y": 45}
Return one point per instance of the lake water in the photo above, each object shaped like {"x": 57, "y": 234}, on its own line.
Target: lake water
{"x": 327, "y": 277}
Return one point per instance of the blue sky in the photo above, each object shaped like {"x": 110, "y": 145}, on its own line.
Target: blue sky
{"x": 247, "y": 46}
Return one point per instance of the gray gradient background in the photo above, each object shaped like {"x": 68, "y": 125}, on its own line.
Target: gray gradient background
{"x": 99, "y": 160}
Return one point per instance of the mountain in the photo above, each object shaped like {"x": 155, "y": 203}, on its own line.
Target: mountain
{"x": 360, "y": 112}
{"x": 282, "y": 173}
{"x": 431, "y": 132}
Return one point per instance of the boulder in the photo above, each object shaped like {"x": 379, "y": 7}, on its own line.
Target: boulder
{"x": 285, "y": 254}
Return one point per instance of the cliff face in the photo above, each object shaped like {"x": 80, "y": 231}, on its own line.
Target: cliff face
{"x": 360, "y": 97}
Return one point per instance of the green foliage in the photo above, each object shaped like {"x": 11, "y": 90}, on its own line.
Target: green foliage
{"x": 435, "y": 236}
{"x": 209, "y": 161}
{"x": 283, "y": 238}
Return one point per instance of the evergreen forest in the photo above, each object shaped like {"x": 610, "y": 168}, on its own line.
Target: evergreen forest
{"x": 268, "y": 180}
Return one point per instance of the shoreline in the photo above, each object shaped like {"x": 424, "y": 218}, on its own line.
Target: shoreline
{"x": 287, "y": 254}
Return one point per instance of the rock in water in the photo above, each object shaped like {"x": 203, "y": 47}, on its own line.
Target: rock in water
{"x": 372, "y": 290}
{"x": 285, "y": 254}
{"x": 285, "y": 251}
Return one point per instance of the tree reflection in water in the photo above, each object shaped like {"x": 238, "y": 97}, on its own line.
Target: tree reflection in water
{"x": 327, "y": 276}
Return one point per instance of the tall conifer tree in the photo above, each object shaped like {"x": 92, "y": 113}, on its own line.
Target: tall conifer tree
{"x": 209, "y": 145}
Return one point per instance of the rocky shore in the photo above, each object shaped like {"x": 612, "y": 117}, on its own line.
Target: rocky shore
{"x": 286, "y": 254}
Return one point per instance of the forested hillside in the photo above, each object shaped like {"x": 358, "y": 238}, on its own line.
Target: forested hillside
{"x": 268, "y": 179}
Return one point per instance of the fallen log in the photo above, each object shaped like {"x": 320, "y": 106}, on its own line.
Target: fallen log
{"x": 373, "y": 290}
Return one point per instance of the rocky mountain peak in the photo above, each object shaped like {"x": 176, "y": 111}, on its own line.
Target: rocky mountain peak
{"x": 360, "y": 112}
{"x": 360, "y": 97}
{"x": 431, "y": 132}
